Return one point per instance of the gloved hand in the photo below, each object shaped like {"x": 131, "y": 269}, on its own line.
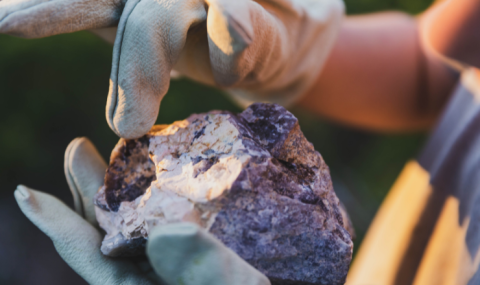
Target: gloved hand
{"x": 264, "y": 50}
{"x": 177, "y": 253}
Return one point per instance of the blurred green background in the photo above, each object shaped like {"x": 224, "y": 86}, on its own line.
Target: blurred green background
{"x": 54, "y": 89}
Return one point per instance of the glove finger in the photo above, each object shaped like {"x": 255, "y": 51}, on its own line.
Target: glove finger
{"x": 230, "y": 26}
{"x": 85, "y": 172}
{"x": 41, "y": 18}
{"x": 264, "y": 47}
{"x": 77, "y": 242}
{"x": 185, "y": 254}
{"x": 151, "y": 35}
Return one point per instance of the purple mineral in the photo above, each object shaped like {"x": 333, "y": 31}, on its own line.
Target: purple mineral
{"x": 252, "y": 180}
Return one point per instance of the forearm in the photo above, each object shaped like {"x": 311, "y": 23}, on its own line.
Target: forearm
{"x": 452, "y": 29}
{"x": 379, "y": 76}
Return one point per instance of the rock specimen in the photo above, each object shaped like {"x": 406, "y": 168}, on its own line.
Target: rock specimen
{"x": 252, "y": 180}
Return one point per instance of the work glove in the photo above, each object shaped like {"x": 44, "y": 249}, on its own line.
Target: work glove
{"x": 177, "y": 253}
{"x": 265, "y": 50}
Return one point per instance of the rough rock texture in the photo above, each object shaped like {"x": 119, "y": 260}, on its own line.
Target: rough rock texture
{"x": 251, "y": 179}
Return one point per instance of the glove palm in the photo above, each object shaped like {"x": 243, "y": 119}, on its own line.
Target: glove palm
{"x": 178, "y": 253}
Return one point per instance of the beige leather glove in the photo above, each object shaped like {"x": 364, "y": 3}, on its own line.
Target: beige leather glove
{"x": 268, "y": 50}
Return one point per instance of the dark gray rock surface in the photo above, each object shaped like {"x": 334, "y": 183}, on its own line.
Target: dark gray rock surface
{"x": 279, "y": 211}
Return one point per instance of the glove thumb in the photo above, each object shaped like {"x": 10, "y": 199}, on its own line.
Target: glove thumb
{"x": 186, "y": 254}
{"x": 77, "y": 242}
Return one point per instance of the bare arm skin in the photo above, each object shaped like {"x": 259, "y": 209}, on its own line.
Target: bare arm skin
{"x": 452, "y": 28}
{"x": 383, "y": 76}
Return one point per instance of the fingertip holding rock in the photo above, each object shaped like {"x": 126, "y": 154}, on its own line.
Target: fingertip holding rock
{"x": 175, "y": 240}
{"x": 85, "y": 170}
{"x": 184, "y": 251}
{"x": 177, "y": 230}
{"x": 21, "y": 193}
{"x": 180, "y": 238}
{"x": 131, "y": 128}
{"x": 132, "y": 114}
